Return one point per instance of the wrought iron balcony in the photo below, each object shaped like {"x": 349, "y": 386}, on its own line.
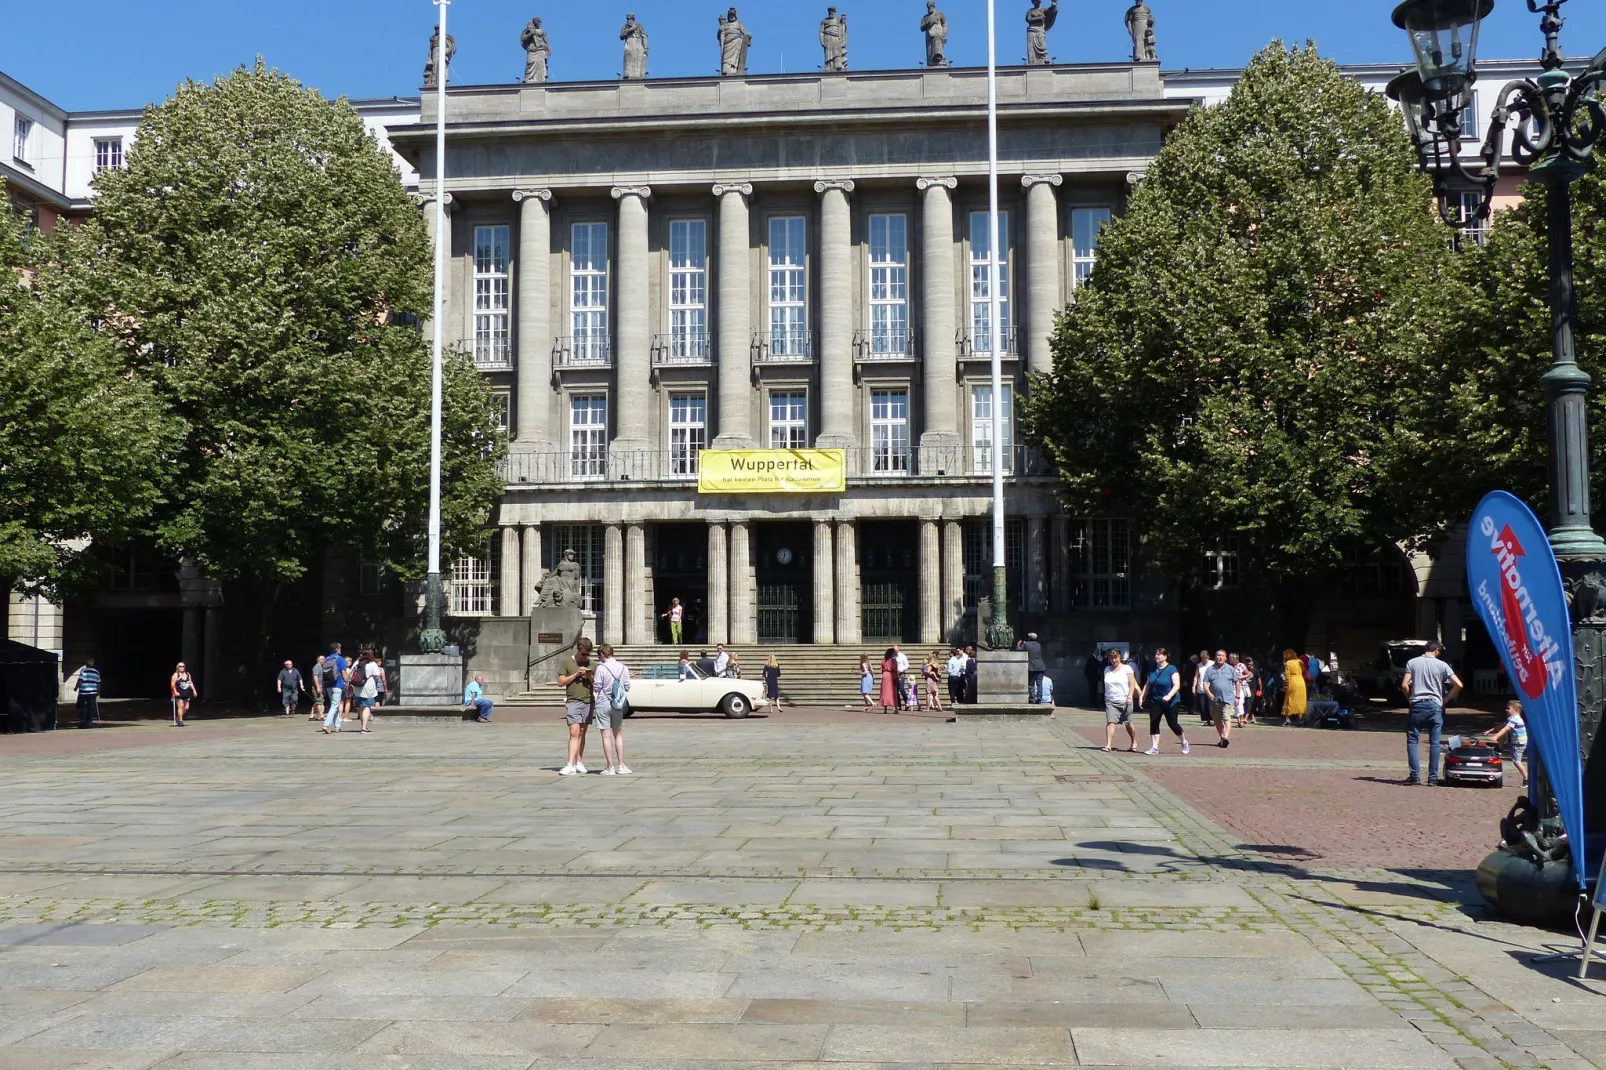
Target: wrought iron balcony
{"x": 783, "y": 347}
{"x": 681, "y": 347}
{"x": 977, "y": 345}
{"x": 582, "y": 351}
{"x": 882, "y": 343}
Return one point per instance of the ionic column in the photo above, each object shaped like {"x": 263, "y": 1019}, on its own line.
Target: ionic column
{"x": 718, "y": 584}
{"x": 509, "y": 598}
{"x": 637, "y": 628}
{"x": 534, "y": 357}
{"x": 838, "y": 429}
{"x": 531, "y": 573}
{"x": 744, "y": 625}
{"x": 1036, "y": 577}
{"x": 632, "y": 345}
{"x": 824, "y": 585}
{"x": 613, "y": 584}
{"x": 735, "y": 325}
{"x": 953, "y": 579}
{"x": 848, "y": 625}
{"x": 930, "y": 582}
{"x": 1042, "y": 268}
{"x": 937, "y": 331}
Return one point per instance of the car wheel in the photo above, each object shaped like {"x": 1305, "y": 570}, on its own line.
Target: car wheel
{"x": 735, "y": 705}
{"x": 1498, "y": 782}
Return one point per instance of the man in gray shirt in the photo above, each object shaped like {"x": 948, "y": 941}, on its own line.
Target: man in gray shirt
{"x": 1429, "y": 685}
{"x": 1221, "y": 683}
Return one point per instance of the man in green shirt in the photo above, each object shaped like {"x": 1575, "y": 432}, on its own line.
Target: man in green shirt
{"x": 574, "y": 676}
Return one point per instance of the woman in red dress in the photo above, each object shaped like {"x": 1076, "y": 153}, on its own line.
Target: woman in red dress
{"x": 889, "y": 682}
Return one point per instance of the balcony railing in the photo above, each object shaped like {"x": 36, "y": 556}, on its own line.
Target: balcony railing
{"x": 582, "y": 351}
{"x": 864, "y": 463}
{"x": 680, "y": 348}
{"x": 880, "y": 343}
{"x": 978, "y": 344}
{"x": 783, "y": 347}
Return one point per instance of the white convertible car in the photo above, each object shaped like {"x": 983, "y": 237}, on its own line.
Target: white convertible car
{"x": 660, "y": 687}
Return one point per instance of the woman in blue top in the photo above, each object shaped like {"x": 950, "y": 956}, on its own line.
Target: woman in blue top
{"x": 1163, "y": 696}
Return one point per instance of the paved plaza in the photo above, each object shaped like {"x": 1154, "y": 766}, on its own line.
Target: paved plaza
{"x": 778, "y": 892}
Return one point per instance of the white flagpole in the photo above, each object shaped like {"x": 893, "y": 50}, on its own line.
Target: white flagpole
{"x": 998, "y": 636}
{"x": 433, "y": 639}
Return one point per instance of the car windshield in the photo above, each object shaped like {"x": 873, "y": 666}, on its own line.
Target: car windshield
{"x": 672, "y": 672}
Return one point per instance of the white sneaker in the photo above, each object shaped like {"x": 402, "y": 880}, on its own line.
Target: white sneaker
{"x": 1152, "y": 750}
{"x": 608, "y": 771}
{"x": 1184, "y": 746}
{"x": 622, "y": 770}
{"x": 568, "y": 770}
{"x": 580, "y": 767}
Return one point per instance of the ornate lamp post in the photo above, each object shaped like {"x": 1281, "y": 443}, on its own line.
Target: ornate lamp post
{"x": 1551, "y": 125}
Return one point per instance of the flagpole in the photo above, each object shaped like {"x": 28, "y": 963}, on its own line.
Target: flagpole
{"x": 999, "y": 635}
{"x": 433, "y": 638}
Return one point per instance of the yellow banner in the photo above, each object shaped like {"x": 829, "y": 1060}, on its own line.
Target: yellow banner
{"x": 772, "y": 471}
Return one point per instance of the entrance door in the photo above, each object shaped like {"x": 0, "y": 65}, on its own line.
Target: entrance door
{"x": 680, "y": 570}
{"x": 785, "y": 572}
{"x": 889, "y": 580}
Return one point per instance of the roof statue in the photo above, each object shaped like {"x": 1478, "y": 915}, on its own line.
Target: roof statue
{"x": 834, "y": 39}
{"x": 1140, "y": 24}
{"x": 733, "y": 44}
{"x": 430, "y": 81}
{"x": 935, "y": 28}
{"x": 1040, "y": 20}
{"x": 634, "y": 35}
{"x": 537, "y": 50}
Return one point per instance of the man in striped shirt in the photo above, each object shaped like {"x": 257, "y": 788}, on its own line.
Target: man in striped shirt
{"x": 88, "y": 687}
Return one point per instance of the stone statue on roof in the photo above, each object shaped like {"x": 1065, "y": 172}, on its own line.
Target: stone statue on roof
{"x": 935, "y": 28}
{"x": 634, "y": 35}
{"x": 537, "y": 50}
{"x": 733, "y": 44}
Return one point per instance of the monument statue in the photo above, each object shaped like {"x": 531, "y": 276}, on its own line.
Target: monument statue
{"x": 834, "y": 39}
{"x": 537, "y": 50}
{"x": 634, "y": 35}
{"x": 935, "y": 27}
{"x": 1040, "y": 20}
{"x": 1140, "y": 24}
{"x": 560, "y": 588}
{"x": 434, "y": 51}
{"x": 733, "y": 42}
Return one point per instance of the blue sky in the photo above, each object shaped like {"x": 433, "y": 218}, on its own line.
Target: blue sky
{"x": 94, "y": 54}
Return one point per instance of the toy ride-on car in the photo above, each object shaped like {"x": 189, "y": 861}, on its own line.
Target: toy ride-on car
{"x": 1472, "y": 761}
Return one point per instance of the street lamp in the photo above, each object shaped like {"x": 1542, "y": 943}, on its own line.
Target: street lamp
{"x": 1551, "y": 124}
{"x": 432, "y": 640}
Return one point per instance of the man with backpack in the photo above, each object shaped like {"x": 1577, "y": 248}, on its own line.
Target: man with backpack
{"x": 611, "y": 686}
{"x": 333, "y": 673}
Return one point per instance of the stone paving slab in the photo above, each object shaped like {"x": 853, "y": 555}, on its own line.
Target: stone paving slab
{"x": 931, "y": 895}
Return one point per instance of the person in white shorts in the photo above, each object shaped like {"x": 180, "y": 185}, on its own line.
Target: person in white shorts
{"x": 1120, "y": 694}
{"x": 611, "y": 683}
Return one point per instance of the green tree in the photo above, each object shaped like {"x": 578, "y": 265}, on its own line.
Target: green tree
{"x": 256, "y": 258}
{"x": 1238, "y": 362}
{"x": 83, "y": 442}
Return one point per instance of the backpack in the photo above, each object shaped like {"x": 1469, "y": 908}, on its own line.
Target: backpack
{"x": 617, "y": 698}
{"x": 331, "y": 672}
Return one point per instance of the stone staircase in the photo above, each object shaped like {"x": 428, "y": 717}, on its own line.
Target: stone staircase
{"x": 810, "y": 675}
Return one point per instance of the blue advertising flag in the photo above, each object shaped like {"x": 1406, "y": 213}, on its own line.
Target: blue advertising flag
{"x": 1516, "y": 588}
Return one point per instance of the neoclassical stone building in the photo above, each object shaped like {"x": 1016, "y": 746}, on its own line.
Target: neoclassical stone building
{"x": 648, "y": 268}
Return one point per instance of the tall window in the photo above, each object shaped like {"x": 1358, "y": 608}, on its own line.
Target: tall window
{"x": 491, "y": 297}
{"x": 502, "y": 410}
{"x": 789, "y": 420}
{"x": 1463, "y": 209}
{"x": 108, "y": 153}
{"x": 474, "y": 582}
{"x": 586, "y": 540}
{"x": 1101, "y": 561}
{"x": 588, "y": 292}
{"x": 1085, "y": 226}
{"x": 588, "y": 435}
{"x": 22, "y": 132}
{"x": 1221, "y": 565}
{"x": 981, "y": 428}
{"x": 688, "y": 289}
{"x": 788, "y": 287}
{"x": 976, "y": 549}
{"x": 688, "y": 432}
{"x": 1469, "y": 118}
{"x": 889, "y": 285}
{"x": 889, "y": 430}
{"x": 981, "y": 309}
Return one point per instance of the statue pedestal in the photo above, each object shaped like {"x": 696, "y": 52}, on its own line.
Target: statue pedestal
{"x": 431, "y": 680}
{"x": 1001, "y": 678}
{"x": 553, "y": 630}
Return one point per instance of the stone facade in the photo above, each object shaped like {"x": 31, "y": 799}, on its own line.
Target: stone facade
{"x": 776, "y": 261}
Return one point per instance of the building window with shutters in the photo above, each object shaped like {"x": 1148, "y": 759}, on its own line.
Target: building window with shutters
{"x": 981, "y": 309}
{"x": 588, "y": 436}
{"x": 491, "y": 298}
{"x": 789, "y": 313}
{"x": 688, "y": 289}
{"x": 588, "y": 293}
{"x": 889, "y": 431}
{"x": 1086, "y": 224}
{"x": 789, "y": 420}
{"x": 889, "y": 285}
{"x": 21, "y": 137}
{"x": 688, "y": 432}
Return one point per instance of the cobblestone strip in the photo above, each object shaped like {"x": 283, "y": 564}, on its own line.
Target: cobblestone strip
{"x": 256, "y": 914}
{"x": 1472, "y": 1027}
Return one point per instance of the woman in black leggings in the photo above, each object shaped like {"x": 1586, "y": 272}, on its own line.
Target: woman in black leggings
{"x": 1163, "y": 696}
